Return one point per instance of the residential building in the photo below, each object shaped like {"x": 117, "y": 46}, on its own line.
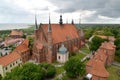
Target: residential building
{"x": 16, "y": 34}
{"x": 8, "y": 62}
{"x": 23, "y": 50}
{"x": 102, "y": 57}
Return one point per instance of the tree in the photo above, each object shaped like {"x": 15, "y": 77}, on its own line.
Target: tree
{"x": 74, "y": 68}
{"x": 117, "y": 53}
{"x": 96, "y": 42}
{"x": 28, "y": 71}
{"x": 31, "y": 42}
{"x": 49, "y": 69}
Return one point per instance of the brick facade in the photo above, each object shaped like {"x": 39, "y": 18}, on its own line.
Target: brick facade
{"x": 46, "y": 44}
{"x": 102, "y": 57}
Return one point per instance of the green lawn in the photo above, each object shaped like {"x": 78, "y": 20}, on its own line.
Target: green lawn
{"x": 59, "y": 70}
{"x": 117, "y": 58}
{"x": 113, "y": 72}
{"x": 79, "y": 55}
{"x": 85, "y": 49}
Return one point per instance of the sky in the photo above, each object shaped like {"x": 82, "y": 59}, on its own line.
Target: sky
{"x": 84, "y": 11}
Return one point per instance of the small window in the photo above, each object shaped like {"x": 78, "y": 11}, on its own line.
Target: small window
{"x": 10, "y": 65}
{"x": 13, "y": 63}
{"x": 59, "y": 57}
{"x": 6, "y": 68}
{"x": 16, "y": 62}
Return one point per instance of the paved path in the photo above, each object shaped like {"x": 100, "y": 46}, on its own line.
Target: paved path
{"x": 61, "y": 75}
{"x": 116, "y": 64}
{"x": 90, "y": 39}
{"x": 82, "y": 52}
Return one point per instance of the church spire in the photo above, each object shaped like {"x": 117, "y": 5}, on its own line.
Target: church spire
{"x": 72, "y": 21}
{"x": 61, "y": 21}
{"x": 36, "y": 26}
{"x": 49, "y": 25}
{"x": 80, "y": 20}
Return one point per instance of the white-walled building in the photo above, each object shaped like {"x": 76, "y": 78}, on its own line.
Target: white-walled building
{"x": 8, "y": 62}
{"x": 63, "y": 54}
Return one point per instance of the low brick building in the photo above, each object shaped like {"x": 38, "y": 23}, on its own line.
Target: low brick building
{"x": 109, "y": 49}
{"x": 8, "y": 62}
{"x": 16, "y": 34}
{"x": 102, "y": 57}
{"x": 98, "y": 71}
{"x": 23, "y": 50}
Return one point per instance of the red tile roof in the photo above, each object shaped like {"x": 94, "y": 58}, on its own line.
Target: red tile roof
{"x": 90, "y": 62}
{"x": 12, "y": 41}
{"x": 108, "y": 45}
{"x": 5, "y": 60}
{"x": 101, "y": 55}
{"x": 111, "y": 38}
{"x": 103, "y": 37}
{"x": 60, "y": 33}
{"x": 98, "y": 69}
{"x": 23, "y": 46}
{"x": 16, "y": 32}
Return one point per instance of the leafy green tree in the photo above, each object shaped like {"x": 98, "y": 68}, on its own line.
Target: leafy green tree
{"x": 96, "y": 42}
{"x": 49, "y": 69}
{"x": 88, "y": 33}
{"x": 117, "y": 53}
{"x": 74, "y": 68}
{"x": 31, "y": 42}
{"x": 28, "y": 71}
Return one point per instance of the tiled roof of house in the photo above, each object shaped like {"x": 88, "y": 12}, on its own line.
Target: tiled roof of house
{"x": 111, "y": 38}
{"x": 90, "y": 62}
{"x": 16, "y": 32}
{"x": 23, "y": 46}
{"x": 5, "y": 60}
{"x": 101, "y": 55}
{"x": 98, "y": 69}
{"x": 61, "y": 33}
{"x": 108, "y": 45}
{"x": 12, "y": 41}
{"x": 103, "y": 37}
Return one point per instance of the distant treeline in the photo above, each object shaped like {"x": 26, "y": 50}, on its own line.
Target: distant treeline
{"x": 28, "y": 31}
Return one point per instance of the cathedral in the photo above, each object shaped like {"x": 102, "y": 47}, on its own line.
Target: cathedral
{"x": 50, "y": 37}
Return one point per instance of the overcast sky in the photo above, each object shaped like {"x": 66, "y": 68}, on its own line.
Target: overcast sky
{"x": 91, "y": 11}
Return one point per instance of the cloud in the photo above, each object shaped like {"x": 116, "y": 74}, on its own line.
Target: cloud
{"x": 91, "y": 10}
{"x": 108, "y": 8}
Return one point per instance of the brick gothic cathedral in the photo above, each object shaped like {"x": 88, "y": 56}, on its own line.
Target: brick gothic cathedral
{"x": 50, "y": 37}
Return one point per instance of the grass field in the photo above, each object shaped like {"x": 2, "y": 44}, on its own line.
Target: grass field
{"x": 113, "y": 72}
{"x": 85, "y": 50}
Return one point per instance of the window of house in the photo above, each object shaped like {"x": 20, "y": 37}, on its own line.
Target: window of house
{"x": 13, "y": 63}
{"x": 59, "y": 57}
{"x": 16, "y": 62}
{"x": 5, "y": 68}
{"x": 10, "y": 65}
